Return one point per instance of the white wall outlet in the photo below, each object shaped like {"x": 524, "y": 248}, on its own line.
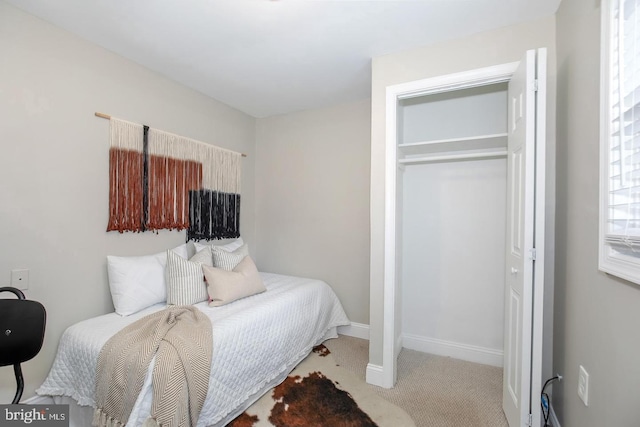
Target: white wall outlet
{"x": 20, "y": 279}
{"x": 583, "y": 385}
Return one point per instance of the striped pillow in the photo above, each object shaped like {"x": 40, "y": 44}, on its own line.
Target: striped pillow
{"x": 185, "y": 279}
{"x": 225, "y": 260}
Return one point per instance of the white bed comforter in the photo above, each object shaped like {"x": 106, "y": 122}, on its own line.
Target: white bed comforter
{"x": 256, "y": 343}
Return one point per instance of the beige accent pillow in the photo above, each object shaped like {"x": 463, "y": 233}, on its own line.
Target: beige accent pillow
{"x": 227, "y": 286}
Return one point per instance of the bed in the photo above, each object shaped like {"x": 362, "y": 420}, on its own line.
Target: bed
{"x": 257, "y": 341}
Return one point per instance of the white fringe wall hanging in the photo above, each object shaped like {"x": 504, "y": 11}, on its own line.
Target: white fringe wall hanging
{"x": 158, "y": 180}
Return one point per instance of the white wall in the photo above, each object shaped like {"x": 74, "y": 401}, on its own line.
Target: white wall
{"x": 597, "y": 316}
{"x": 454, "y": 253}
{"x": 312, "y": 199}
{"x": 54, "y": 167}
{"x": 481, "y": 50}
{"x": 459, "y": 114}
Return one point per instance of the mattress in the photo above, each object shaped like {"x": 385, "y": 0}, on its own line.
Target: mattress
{"x": 257, "y": 341}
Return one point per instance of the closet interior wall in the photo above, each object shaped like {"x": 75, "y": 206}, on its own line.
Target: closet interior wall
{"x": 453, "y": 219}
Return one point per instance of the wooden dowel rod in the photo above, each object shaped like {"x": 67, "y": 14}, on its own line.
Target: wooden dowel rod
{"x": 108, "y": 117}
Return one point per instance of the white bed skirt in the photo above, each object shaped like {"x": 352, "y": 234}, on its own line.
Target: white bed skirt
{"x": 82, "y": 416}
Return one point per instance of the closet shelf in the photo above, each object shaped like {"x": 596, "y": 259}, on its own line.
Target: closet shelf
{"x": 493, "y": 141}
{"x": 494, "y": 154}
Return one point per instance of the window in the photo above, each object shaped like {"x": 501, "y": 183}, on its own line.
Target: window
{"x": 620, "y": 140}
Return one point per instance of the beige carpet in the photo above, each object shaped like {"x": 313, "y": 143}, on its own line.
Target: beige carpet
{"x": 435, "y": 391}
{"x": 320, "y": 393}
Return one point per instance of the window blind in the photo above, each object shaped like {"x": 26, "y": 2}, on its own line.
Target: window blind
{"x": 623, "y": 222}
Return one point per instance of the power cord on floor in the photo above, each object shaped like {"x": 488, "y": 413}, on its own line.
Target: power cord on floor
{"x": 544, "y": 400}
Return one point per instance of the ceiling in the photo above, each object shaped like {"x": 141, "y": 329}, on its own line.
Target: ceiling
{"x": 269, "y": 57}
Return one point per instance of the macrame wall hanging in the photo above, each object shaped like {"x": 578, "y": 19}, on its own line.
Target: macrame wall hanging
{"x": 158, "y": 180}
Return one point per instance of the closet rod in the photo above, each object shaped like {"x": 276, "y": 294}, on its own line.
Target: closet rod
{"x": 467, "y": 156}
{"x": 108, "y": 117}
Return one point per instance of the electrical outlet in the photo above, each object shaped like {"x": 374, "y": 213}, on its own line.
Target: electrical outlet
{"x": 583, "y": 385}
{"x": 20, "y": 279}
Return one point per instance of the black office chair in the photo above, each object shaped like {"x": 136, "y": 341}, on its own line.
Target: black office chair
{"x": 22, "y": 324}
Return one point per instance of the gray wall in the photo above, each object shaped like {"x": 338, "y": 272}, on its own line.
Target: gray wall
{"x": 486, "y": 49}
{"x": 312, "y": 199}
{"x": 596, "y": 316}
{"x": 54, "y": 167}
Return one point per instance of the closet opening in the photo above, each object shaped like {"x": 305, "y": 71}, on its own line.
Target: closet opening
{"x": 451, "y": 200}
{"x": 464, "y": 224}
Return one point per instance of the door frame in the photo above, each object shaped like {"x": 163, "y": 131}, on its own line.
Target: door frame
{"x": 391, "y": 343}
{"x": 385, "y": 375}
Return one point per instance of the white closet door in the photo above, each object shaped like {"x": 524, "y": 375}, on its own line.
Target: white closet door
{"x": 517, "y": 400}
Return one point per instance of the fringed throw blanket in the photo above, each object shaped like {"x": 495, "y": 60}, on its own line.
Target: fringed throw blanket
{"x": 181, "y": 339}
{"x": 158, "y": 180}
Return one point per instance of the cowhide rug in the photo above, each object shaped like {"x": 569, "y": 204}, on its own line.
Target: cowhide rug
{"x": 319, "y": 393}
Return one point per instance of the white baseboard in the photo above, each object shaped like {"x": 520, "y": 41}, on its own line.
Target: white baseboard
{"x": 357, "y": 330}
{"x": 375, "y": 375}
{"x": 553, "y": 418}
{"x": 470, "y": 353}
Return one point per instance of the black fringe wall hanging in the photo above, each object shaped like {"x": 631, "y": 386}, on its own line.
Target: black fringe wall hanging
{"x": 158, "y": 180}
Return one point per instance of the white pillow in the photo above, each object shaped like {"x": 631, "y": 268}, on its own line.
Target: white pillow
{"x": 229, "y": 247}
{"x": 185, "y": 279}
{"x": 227, "y": 286}
{"x": 137, "y": 282}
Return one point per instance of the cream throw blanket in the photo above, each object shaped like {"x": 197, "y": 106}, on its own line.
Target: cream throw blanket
{"x": 181, "y": 339}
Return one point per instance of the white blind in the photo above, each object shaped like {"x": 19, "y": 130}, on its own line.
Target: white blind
{"x": 623, "y": 222}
